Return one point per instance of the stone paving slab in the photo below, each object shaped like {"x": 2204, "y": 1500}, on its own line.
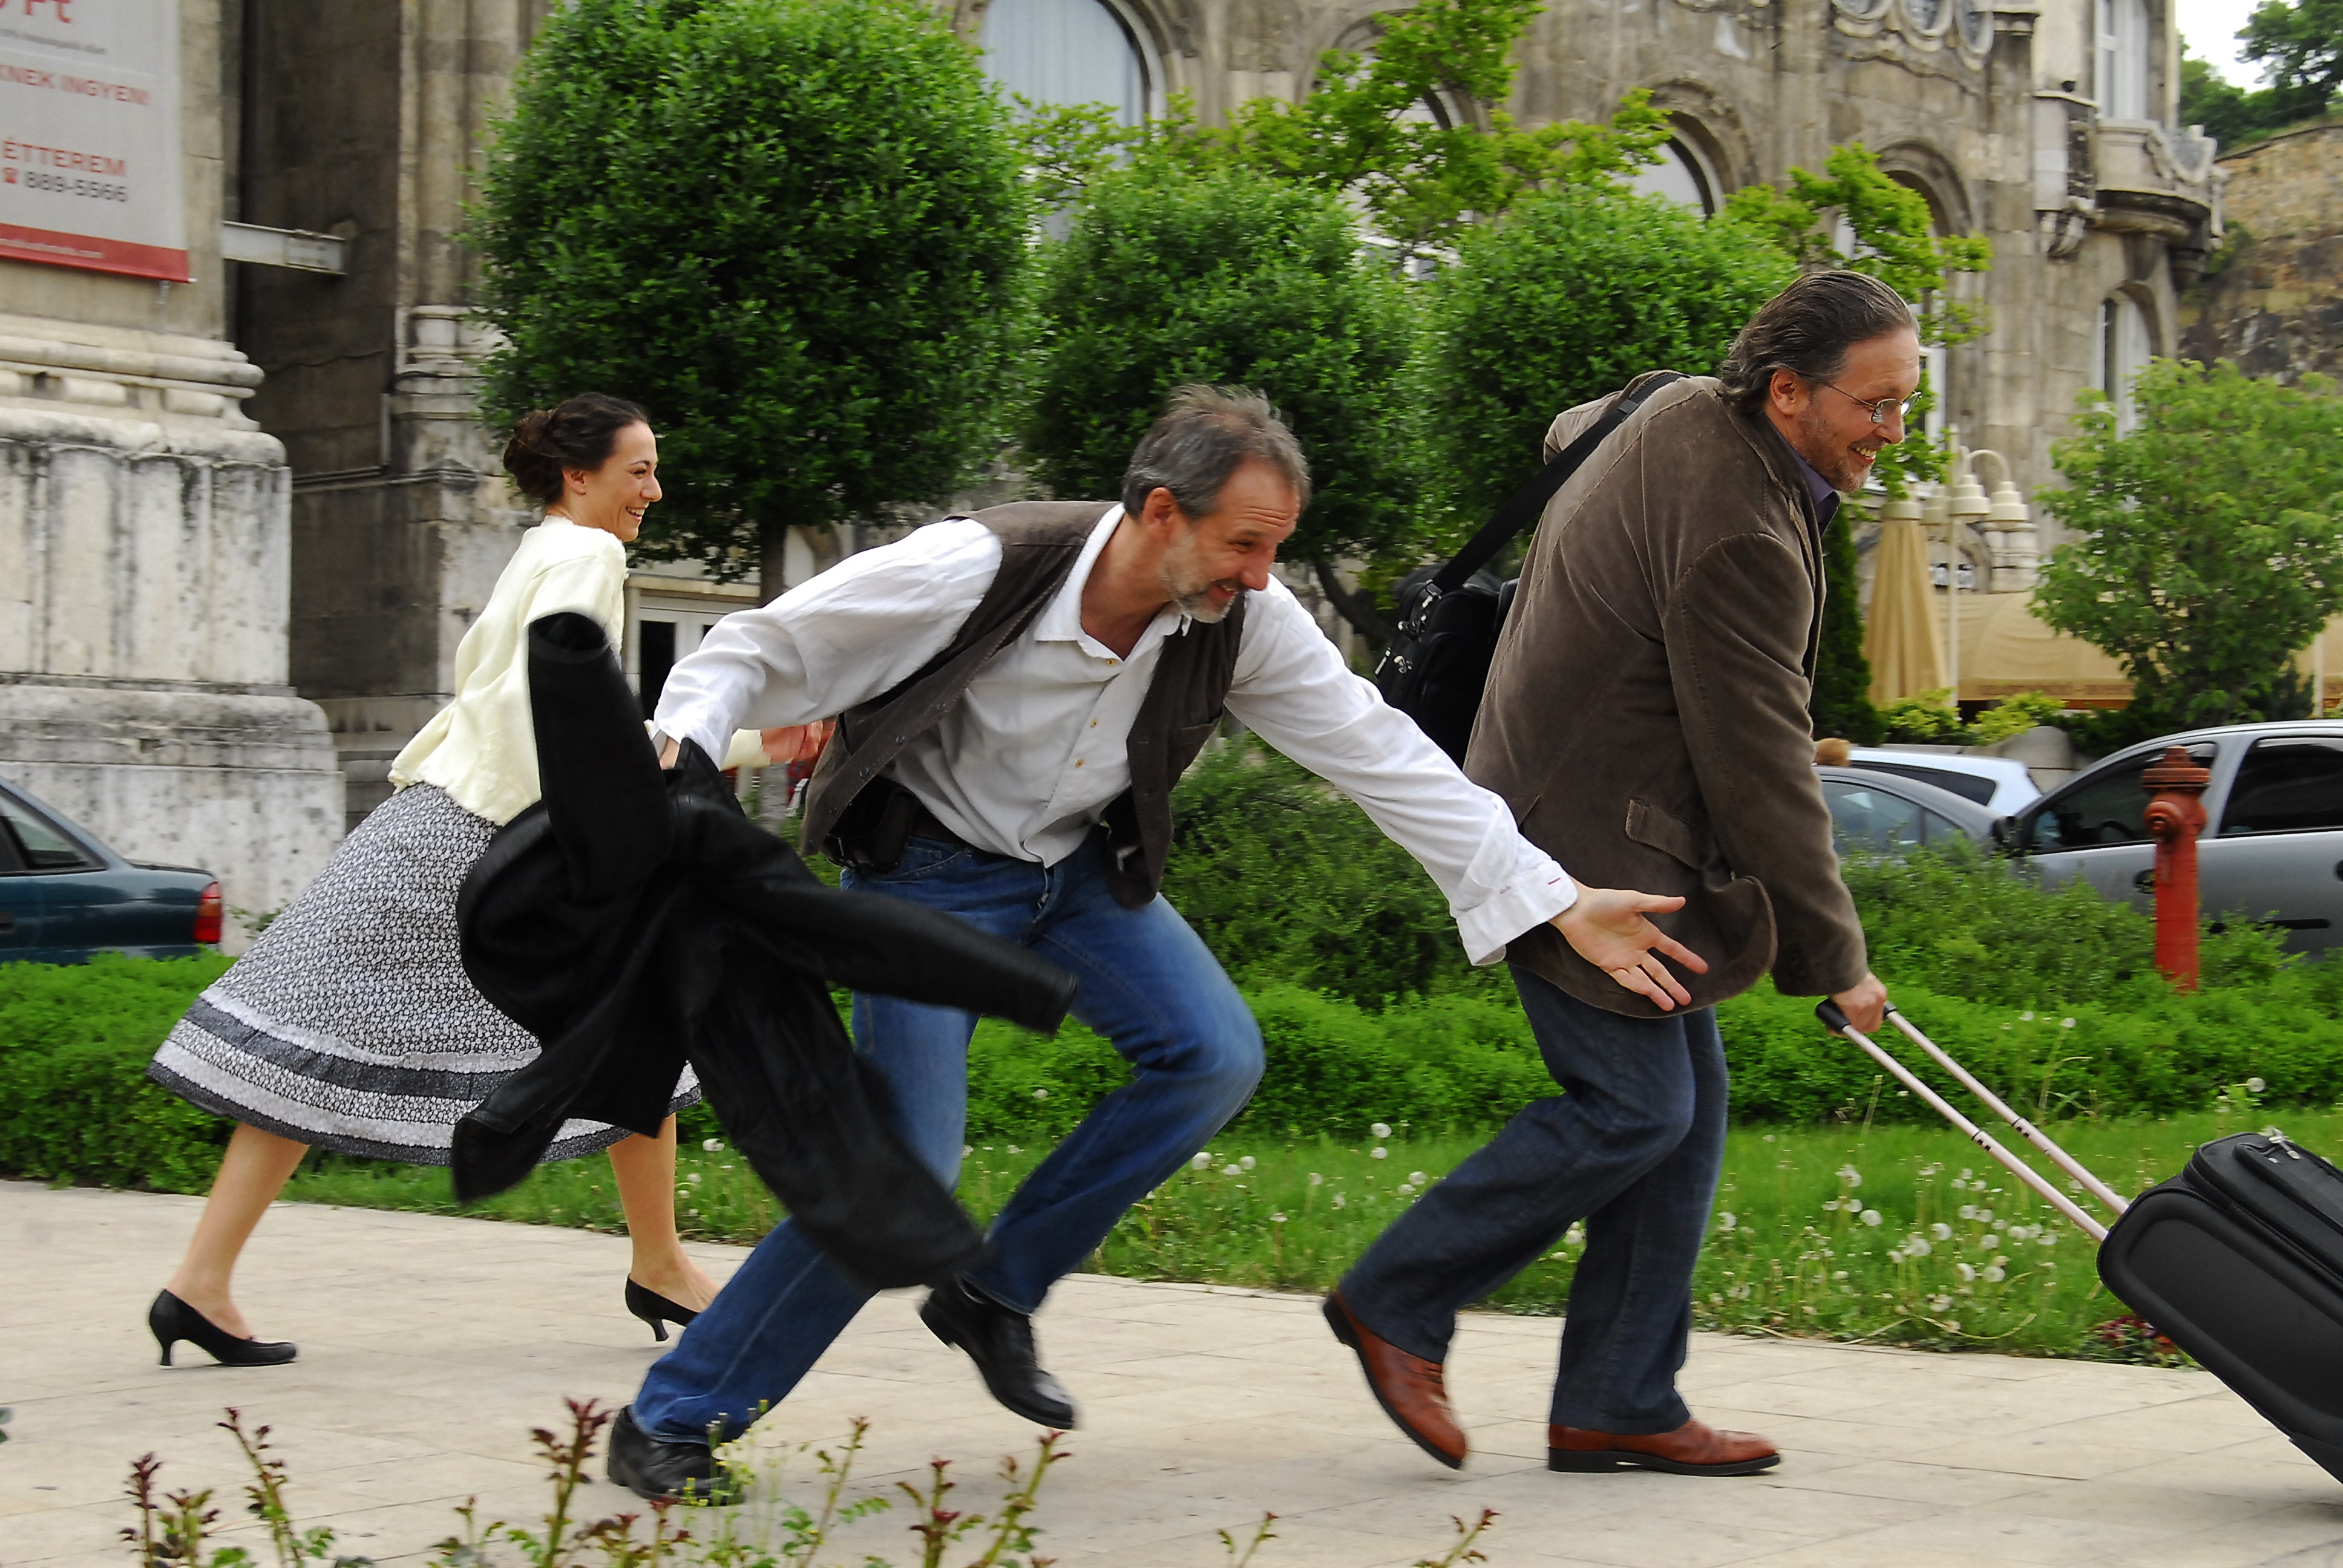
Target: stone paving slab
{"x": 431, "y": 1346}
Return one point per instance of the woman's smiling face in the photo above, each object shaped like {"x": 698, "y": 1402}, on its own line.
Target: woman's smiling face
{"x": 614, "y": 497}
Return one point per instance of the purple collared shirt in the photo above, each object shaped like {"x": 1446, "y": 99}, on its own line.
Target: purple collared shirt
{"x": 1824, "y": 493}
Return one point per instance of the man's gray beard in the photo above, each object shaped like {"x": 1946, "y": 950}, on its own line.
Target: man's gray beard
{"x": 1195, "y": 600}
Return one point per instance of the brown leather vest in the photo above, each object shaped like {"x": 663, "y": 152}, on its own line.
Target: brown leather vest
{"x": 1039, "y": 541}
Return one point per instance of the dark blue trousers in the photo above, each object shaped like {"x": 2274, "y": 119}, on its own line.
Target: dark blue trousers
{"x": 1634, "y": 1150}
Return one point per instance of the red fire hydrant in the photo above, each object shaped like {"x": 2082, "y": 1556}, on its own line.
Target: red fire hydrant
{"x": 2175, "y": 815}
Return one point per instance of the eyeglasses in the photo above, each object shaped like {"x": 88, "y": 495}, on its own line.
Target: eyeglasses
{"x": 1878, "y": 411}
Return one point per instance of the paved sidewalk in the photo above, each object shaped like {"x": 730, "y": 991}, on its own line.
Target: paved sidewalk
{"x": 431, "y": 1346}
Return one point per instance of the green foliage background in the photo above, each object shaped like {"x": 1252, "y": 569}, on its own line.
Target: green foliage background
{"x": 1582, "y": 290}
{"x": 792, "y": 229}
{"x": 2212, "y": 542}
{"x": 1225, "y": 276}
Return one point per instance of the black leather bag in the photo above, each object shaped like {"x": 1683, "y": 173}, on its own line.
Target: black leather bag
{"x": 1437, "y": 668}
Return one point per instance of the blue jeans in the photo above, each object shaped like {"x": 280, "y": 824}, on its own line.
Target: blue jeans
{"x": 1634, "y": 1150}
{"x": 1148, "y": 984}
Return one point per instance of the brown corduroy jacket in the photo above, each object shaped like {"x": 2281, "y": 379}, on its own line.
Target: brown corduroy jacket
{"x": 1646, "y": 711}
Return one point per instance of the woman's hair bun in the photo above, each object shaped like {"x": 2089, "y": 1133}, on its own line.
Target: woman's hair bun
{"x": 576, "y": 433}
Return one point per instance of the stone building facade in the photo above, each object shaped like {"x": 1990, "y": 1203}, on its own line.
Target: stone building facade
{"x": 2046, "y": 124}
{"x": 145, "y": 557}
{"x": 2275, "y": 304}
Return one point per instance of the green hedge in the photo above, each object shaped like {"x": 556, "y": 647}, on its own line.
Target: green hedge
{"x": 75, "y": 1100}
{"x": 1978, "y": 955}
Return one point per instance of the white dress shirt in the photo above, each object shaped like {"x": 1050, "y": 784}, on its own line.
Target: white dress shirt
{"x": 481, "y": 747}
{"x": 1025, "y": 765}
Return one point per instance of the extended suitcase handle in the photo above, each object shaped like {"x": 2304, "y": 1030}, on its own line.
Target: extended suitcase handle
{"x": 1835, "y": 1019}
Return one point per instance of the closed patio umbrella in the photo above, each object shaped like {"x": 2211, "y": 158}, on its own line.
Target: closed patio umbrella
{"x": 1902, "y": 637}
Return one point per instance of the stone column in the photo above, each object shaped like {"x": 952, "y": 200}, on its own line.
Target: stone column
{"x": 144, "y": 584}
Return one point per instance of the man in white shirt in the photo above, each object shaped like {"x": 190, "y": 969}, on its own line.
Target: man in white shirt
{"x": 1018, "y": 692}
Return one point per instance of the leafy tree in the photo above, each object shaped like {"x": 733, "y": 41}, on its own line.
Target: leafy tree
{"x": 2298, "y": 44}
{"x": 1169, "y": 276}
{"x": 2212, "y": 546}
{"x": 2229, "y": 113}
{"x": 1358, "y": 131}
{"x": 1579, "y": 291}
{"x": 1840, "y": 703}
{"x": 792, "y": 229}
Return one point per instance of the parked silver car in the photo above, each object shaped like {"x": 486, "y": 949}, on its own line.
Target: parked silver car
{"x": 1886, "y": 814}
{"x": 2272, "y": 849}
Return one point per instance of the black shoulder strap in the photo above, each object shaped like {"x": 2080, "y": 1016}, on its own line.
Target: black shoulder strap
{"x": 1524, "y": 506}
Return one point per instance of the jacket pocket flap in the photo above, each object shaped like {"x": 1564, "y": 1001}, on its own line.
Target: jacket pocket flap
{"x": 1647, "y": 824}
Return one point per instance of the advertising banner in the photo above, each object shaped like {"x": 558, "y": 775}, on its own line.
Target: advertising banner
{"x": 89, "y": 135}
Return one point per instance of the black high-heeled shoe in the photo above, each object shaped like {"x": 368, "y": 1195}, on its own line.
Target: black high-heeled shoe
{"x": 171, "y": 1319}
{"x": 650, "y": 1306}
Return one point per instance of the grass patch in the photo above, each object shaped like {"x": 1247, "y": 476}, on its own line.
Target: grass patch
{"x": 1792, "y": 1250}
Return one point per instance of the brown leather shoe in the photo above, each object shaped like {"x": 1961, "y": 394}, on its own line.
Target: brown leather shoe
{"x": 1695, "y": 1448}
{"x": 1409, "y": 1388}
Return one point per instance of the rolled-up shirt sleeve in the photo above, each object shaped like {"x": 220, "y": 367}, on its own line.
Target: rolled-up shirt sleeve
{"x": 1293, "y": 689}
{"x": 840, "y": 638}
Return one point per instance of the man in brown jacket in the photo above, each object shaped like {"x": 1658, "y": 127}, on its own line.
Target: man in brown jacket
{"x": 1646, "y": 721}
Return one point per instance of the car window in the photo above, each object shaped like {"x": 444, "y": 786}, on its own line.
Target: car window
{"x": 1869, "y": 822}
{"x": 2287, "y": 784}
{"x": 1967, "y": 785}
{"x": 1941, "y": 830}
{"x": 38, "y": 842}
{"x": 2101, "y": 809}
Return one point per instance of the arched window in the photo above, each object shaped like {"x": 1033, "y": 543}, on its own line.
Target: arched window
{"x": 2124, "y": 348}
{"x": 2122, "y": 82}
{"x": 1682, "y": 176}
{"x": 1067, "y": 52}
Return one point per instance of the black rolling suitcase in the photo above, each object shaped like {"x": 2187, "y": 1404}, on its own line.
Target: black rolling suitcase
{"x": 2238, "y": 1260}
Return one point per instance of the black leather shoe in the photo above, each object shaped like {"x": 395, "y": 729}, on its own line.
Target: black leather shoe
{"x": 1000, "y": 1343}
{"x": 652, "y": 1468}
{"x": 652, "y": 1307}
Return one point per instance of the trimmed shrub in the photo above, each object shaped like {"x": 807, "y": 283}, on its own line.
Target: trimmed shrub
{"x": 76, "y": 1104}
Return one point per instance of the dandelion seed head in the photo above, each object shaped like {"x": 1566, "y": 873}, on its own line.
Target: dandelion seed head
{"x": 1378, "y": 1153}
{"x": 2066, "y": 1023}
{"x": 693, "y": 1178}
{"x": 1232, "y": 1168}
{"x": 713, "y": 1145}
{"x": 1248, "y": 1161}
{"x": 1338, "y": 1200}
{"x": 1316, "y": 1179}
{"x": 1872, "y": 1217}
{"x": 2255, "y": 1086}
{"x": 1277, "y": 1218}
{"x": 1941, "y": 1232}
{"x": 1199, "y": 1162}
{"x": 1728, "y": 1221}
{"x": 1994, "y": 1274}
{"x": 1381, "y": 1130}
{"x": 1041, "y": 1094}
{"x": 1418, "y": 1178}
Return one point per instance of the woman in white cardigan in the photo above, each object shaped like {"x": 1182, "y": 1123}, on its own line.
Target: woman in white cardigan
{"x": 350, "y": 1025}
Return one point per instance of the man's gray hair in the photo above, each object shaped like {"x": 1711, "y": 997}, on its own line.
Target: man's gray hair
{"x": 1204, "y": 434}
{"x": 1806, "y": 329}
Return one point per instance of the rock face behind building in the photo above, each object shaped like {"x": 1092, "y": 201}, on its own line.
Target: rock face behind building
{"x": 2275, "y": 304}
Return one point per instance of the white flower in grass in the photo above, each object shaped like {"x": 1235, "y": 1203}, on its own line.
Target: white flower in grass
{"x": 2029, "y": 1018}
{"x": 1041, "y": 1094}
{"x": 1952, "y": 1325}
{"x": 1404, "y": 1189}
{"x": 1202, "y": 1162}
{"x": 1277, "y": 1218}
{"x": 1941, "y": 1232}
{"x": 1338, "y": 1200}
{"x": 1316, "y": 1179}
{"x": 2047, "y": 1239}
{"x": 2255, "y": 1086}
{"x": 1418, "y": 1178}
{"x": 1985, "y": 1216}
{"x": 1850, "y": 1175}
{"x": 966, "y": 1150}
{"x": 1728, "y": 1221}
{"x": 1917, "y": 1246}
{"x": 1994, "y": 1275}
{"x": 693, "y": 1178}
{"x": 1940, "y": 1304}
{"x": 1872, "y": 1217}
{"x": 1838, "y": 1273}
{"x": 1967, "y": 1212}
{"x": 1575, "y": 1236}
{"x": 1232, "y": 1170}
{"x": 1967, "y": 1274}
{"x": 1830, "y": 1205}
{"x": 1248, "y": 1161}
{"x": 1014, "y": 1150}
{"x": 713, "y": 1145}
{"x": 1381, "y": 1130}
{"x": 1378, "y": 1153}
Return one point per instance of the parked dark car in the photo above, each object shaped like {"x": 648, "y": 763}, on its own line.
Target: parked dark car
{"x": 2272, "y": 849}
{"x": 1875, "y": 813}
{"x": 64, "y": 895}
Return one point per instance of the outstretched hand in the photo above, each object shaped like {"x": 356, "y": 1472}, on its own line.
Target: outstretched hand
{"x": 797, "y": 742}
{"x": 1607, "y": 927}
